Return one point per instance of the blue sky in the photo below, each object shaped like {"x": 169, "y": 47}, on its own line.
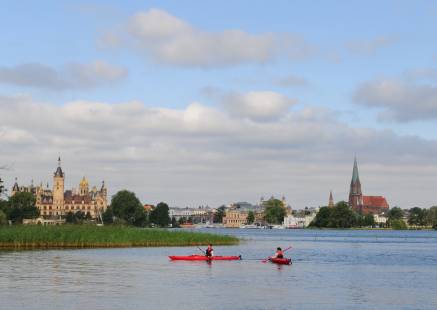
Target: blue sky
{"x": 355, "y": 60}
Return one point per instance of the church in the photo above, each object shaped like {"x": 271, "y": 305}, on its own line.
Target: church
{"x": 364, "y": 204}
{"x": 57, "y": 202}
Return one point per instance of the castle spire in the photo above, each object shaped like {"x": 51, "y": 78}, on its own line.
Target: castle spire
{"x": 58, "y": 172}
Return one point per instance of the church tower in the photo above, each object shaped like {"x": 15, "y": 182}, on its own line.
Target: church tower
{"x": 355, "y": 194}
{"x": 331, "y": 200}
{"x": 58, "y": 189}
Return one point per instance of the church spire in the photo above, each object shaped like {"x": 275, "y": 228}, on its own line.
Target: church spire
{"x": 355, "y": 194}
{"x": 331, "y": 200}
{"x": 355, "y": 175}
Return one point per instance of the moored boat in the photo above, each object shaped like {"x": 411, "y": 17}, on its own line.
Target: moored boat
{"x": 196, "y": 257}
{"x": 280, "y": 261}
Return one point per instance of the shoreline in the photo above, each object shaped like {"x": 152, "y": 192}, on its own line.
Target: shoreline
{"x": 84, "y": 236}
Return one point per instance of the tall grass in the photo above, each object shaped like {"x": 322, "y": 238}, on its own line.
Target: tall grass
{"x": 88, "y": 236}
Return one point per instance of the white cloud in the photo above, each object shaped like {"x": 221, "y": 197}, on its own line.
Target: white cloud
{"x": 370, "y": 46}
{"x": 170, "y": 40}
{"x": 258, "y": 105}
{"x": 201, "y": 154}
{"x": 70, "y": 76}
{"x": 401, "y": 100}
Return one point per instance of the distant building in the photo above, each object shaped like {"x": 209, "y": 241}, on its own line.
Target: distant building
{"x": 331, "y": 200}
{"x": 300, "y": 218}
{"x": 364, "y": 204}
{"x": 56, "y": 203}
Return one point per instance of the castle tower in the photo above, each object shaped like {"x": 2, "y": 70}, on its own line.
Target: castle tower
{"x": 331, "y": 200}
{"x": 83, "y": 187}
{"x": 355, "y": 194}
{"x": 58, "y": 189}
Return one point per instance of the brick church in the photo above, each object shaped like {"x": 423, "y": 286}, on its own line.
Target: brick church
{"x": 364, "y": 204}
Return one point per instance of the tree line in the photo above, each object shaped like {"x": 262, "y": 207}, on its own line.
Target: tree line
{"x": 342, "y": 216}
{"x": 125, "y": 209}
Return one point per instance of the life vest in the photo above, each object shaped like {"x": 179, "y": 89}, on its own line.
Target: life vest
{"x": 208, "y": 251}
{"x": 279, "y": 254}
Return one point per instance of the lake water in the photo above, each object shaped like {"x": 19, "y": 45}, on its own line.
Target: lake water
{"x": 331, "y": 270}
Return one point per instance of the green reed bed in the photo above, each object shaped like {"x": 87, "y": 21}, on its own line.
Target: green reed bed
{"x": 88, "y": 236}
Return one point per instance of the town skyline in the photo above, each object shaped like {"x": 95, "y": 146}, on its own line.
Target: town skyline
{"x": 331, "y": 200}
{"x": 238, "y": 102}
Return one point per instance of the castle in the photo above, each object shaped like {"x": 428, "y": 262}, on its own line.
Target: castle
{"x": 364, "y": 204}
{"x": 56, "y": 203}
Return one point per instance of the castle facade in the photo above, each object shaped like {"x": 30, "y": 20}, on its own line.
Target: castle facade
{"x": 57, "y": 202}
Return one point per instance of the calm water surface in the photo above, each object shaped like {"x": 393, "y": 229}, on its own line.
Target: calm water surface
{"x": 331, "y": 270}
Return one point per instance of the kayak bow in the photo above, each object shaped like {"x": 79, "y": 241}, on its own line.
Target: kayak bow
{"x": 204, "y": 258}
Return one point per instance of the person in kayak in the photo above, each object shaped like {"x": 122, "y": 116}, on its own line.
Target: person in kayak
{"x": 279, "y": 253}
{"x": 209, "y": 251}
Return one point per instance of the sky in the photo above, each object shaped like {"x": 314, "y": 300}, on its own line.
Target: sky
{"x": 211, "y": 102}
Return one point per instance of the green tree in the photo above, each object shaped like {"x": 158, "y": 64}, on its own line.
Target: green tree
{"x": 342, "y": 216}
{"x": 21, "y": 206}
{"x": 3, "y": 218}
{"x": 126, "y": 206}
{"x": 159, "y": 215}
{"x": 417, "y": 216}
{"x": 274, "y": 211}
{"x": 431, "y": 217}
{"x": 70, "y": 218}
{"x": 108, "y": 216}
{"x": 219, "y": 214}
{"x": 174, "y": 223}
{"x": 395, "y": 213}
{"x": 398, "y": 224}
{"x": 250, "y": 217}
{"x": 369, "y": 220}
{"x": 322, "y": 218}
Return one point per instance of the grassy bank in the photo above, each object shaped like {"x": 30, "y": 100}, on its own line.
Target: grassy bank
{"x": 84, "y": 236}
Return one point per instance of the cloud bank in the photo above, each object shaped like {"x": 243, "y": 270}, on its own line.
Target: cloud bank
{"x": 403, "y": 99}
{"x": 166, "y": 39}
{"x": 70, "y": 76}
{"x": 206, "y": 155}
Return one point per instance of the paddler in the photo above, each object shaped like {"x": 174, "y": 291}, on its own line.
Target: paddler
{"x": 209, "y": 251}
{"x": 279, "y": 253}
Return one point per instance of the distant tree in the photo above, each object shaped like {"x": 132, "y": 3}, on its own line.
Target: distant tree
{"x": 417, "y": 216}
{"x": 108, "y": 216}
{"x": 431, "y": 217}
{"x": 398, "y": 224}
{"x": 3, "y": 218}
{"x": 250, "y": 217}
{"x": 70, "y": 218}
{"x": 395, "y": 213}
{"x": 274, "y": 211}
{"x": 342, "y": 216}
{"x": 369, "y": 220}
{"x": 218, "y": 216}
{"x": 159, "y": 215}
{"x": 322, "y": 218}
{"x": 174, "y": 223}
{"x": 126, "y": 206}
{"x": 21, "y": 206}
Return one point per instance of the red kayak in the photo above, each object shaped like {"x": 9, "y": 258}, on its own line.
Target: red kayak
{"x": 203, "y": 257}
{"x": 280, "y": 261}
